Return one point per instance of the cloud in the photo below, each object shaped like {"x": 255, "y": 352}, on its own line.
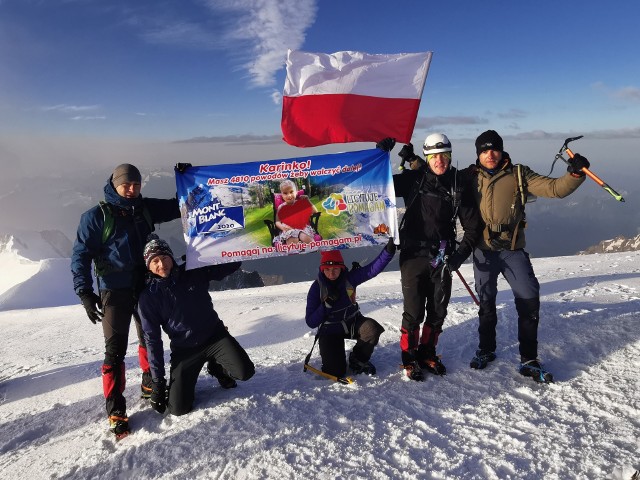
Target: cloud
{"x": 628, "y": 93}
{"x": 513, "y": 113}
{"x": 64, "y": 108}
{"x": 430, "y": 122}
{"x": 620, "y": 133}
{"x": 86, "y": 117}
{"x": 624, "y": 93}
{"x": 184, "y": 34}
{"x": 270, "y": 27}
{"x": 276, "y": 96}
{"x": 255, "y": 33}
{"x": 247, "y": 139}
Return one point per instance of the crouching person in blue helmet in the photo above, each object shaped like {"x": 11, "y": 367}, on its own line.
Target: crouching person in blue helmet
{"x": 178, "y": 301}
{"x": 333, "y": 310}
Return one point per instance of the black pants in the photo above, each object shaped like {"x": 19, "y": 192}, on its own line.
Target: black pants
{"x": 517, "y": 270}
{"x": 425, "y": 290}
{"x": 118, "y": 307}
{"x": 186, "y": 365}
{"x": 332, "y": 349}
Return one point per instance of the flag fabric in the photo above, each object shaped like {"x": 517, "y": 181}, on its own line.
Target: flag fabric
{"x": 351, "y": 96}
{"x": 245, "y": 211}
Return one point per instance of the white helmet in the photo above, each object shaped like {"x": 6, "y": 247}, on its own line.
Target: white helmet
{"x": 436, "y": 143}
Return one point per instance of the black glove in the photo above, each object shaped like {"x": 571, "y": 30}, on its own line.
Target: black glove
{"x": 158, "y": 397}
{"x": 92, "y": 304}
{"x": 406, "y": 152}
{"x": 390, "y": 246}
{"x": 332, "y": 298}
{"x": 181, "y": 167}
{"x": 576, "y": 164}
{"x": 355, "y": 266}
{"x": 386, "y": 144}
{"x": 454, "y": 261}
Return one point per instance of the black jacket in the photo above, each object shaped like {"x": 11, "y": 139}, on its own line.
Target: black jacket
{"x": 430, "y": 208}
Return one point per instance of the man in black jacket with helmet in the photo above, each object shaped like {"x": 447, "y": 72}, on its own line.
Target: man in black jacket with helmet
{"x": 435, "y": 196}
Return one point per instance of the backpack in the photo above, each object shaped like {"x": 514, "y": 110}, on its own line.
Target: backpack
{"x": 109, "y": 220}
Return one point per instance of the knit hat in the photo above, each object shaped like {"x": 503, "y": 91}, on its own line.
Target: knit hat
{"x": 154, "y": 247}
{"x": 125, "y": 173}
{"x": 489, "y": 140}
{"x": 331, "y": 258}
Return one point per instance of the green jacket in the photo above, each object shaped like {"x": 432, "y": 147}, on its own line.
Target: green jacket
{"x": 500, "y": 201}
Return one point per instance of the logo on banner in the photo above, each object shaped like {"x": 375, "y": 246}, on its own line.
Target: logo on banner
{"x": 218, "y": 209}
{"x": 354, "y": 202}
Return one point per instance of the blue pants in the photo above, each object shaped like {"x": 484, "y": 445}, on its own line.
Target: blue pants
{"x": 515, "y": 266}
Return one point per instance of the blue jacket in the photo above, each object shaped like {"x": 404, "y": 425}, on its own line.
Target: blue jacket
{"x": 340, "y": 317}
{"x": 181, "y": 306}
{"x": 121, "y": 255}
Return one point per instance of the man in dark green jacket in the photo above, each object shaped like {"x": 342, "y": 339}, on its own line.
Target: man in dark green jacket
{"x": 500, "y": 190}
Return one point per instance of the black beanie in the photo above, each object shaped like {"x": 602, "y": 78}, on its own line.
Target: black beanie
{"x": 154, "y": 247}
{"x": 125, "y": 173}
{"x": 489, "y": 140}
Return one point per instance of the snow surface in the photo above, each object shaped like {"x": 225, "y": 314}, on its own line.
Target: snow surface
{"x": 283, "y": 423}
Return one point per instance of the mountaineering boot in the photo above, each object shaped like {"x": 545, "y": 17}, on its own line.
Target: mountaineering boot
{"x": 411, "y": 366}
{"x": 433, "y": 365}
{"x": 533, "y": 369}
{"x": 357, "y": 366}
{"x": 429, "y": 361}
{"x": 119, "y": 424}
{"x": 147, "y": 385}
{"x": 413, "y": 371}
{"x": 482, "y": 359}
{"x": 225, "y": 380}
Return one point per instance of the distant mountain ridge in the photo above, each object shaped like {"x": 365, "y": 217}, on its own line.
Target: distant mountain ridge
{"x": 36, "y": 246}
{"x": 617, "y": 244}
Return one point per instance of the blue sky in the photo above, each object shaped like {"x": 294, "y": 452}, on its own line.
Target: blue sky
{"x": 166, "y": 71}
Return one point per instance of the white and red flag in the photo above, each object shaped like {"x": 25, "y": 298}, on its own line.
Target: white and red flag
{"x": 351, "y": 96}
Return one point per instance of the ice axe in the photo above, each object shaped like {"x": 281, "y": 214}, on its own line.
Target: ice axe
{"x": 464, "y": 282}
{"x": 585, "y": 170}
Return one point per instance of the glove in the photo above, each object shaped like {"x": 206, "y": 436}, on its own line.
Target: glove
{"x": 158, "y": 397}
{"x": 181, "y": 167}
{"x": 332, "y": 298}
{"x": 406, "y": 152}
{"x": 92, "y": 304}
{"x": 386, "y": 144}
{"x": 576, "y": 164}
{"x": 454, "y": 261}
{"x": 355, "y": 266}
{"x": 390, "y": 246}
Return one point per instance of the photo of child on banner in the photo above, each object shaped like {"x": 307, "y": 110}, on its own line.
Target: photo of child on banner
{"x": 246, "y": 211}
{"x": 295, "y": 217}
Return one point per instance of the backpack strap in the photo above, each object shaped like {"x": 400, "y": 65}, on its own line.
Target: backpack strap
{"x": 109, "y": 221}
{"x": 522, "y": 191}
{"x": 351, "y": 291}
{"x": 107, "y": 227}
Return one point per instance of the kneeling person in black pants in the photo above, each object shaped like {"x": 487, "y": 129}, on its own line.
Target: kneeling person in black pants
{"x": 333, "y": 310}
{"x": 178, "y": 301}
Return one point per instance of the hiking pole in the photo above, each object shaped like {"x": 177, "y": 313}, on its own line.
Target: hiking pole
{"x": 585, "y": 170}
{"x": 475, "y": 299}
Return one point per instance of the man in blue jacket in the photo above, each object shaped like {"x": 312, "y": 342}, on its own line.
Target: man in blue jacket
{"x": 112, "y": 235}
{"x": 333, "y": 310}
{"x": 178, "y": 301}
